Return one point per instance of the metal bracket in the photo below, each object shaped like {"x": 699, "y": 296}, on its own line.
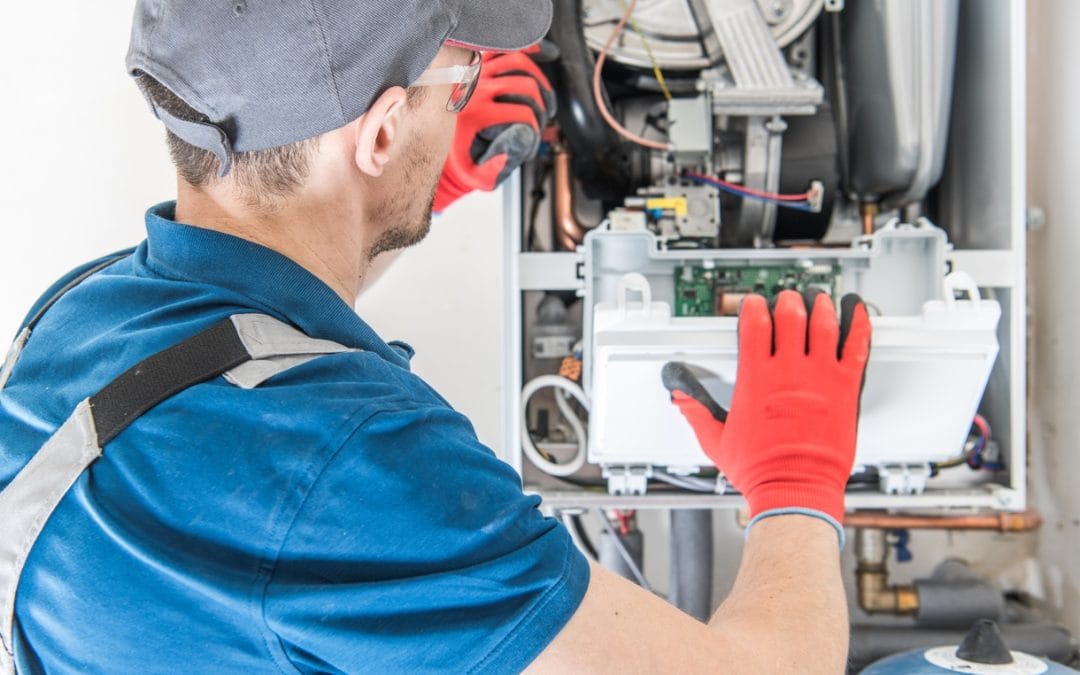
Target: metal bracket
{"x": 903, "y": 479}
{"x": 1007, "y": 498}
{"x": 761, "y": 171}
{"x": 757, "y": 80}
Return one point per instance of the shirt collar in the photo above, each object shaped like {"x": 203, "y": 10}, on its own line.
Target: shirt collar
{"x": 274, "y": 283}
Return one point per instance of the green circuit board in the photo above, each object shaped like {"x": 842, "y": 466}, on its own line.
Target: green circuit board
{"x": 701, "y": 290}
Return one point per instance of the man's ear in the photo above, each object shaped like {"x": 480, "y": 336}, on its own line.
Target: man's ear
{"x": 377, "y": 129}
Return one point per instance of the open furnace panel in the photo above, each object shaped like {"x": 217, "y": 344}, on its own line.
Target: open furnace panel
{"x": 752, "y": 147}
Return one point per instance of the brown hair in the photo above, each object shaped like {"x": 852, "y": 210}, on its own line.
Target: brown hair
{"x": 261, "y": 175}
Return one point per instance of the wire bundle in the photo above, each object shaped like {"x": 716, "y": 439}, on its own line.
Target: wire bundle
{"x": 563, "y": 387}
{"x": 799, "y": 202}
{"x": 975, "y": 458}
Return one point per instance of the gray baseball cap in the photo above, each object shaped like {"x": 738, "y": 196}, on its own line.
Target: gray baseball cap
{"x": 273, "y": 72}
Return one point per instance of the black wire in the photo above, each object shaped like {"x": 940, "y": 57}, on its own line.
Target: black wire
{"x": 582, "y": 482}
{"x": 583, "y": 537}
{"x": 836, "y": 79}
{"x": 543, "y": 169}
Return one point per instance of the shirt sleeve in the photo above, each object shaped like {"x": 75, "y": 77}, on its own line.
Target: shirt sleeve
{"x": 417, "y": 551}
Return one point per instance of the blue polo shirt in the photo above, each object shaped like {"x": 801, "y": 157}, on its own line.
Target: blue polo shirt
{"x": 342, "y": 517}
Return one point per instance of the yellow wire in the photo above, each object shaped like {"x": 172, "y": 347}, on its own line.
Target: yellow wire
{"x": 648, "y": 50}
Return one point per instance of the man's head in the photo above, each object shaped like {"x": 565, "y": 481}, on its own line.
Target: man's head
{"x": 313, "y": 100}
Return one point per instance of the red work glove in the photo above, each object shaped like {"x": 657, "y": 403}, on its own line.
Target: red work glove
{"x": 499, "y": 129}
{"x": 788, "y": 443}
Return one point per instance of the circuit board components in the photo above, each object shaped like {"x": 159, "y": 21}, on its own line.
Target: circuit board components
{"x": 712, "y": 290}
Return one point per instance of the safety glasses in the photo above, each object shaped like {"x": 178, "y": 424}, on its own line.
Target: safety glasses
{"x": 463, "y": 77}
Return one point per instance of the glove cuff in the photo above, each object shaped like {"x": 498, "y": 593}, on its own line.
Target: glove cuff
{"x": 797, "y": 511}
{"x": 820, "y": 497}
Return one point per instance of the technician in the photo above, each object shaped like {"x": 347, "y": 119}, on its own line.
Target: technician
{"x": 319, "y": 508}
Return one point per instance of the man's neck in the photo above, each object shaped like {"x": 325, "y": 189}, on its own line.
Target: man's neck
{"x": 324, "y": 239}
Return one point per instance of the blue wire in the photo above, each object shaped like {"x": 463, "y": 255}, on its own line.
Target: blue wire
{"x": 739, "y": 193}
{"x": 976, "y": 461}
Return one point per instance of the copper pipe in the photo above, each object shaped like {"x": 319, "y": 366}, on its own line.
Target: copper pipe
{"x": 869, "y": 212}
{"x": 1025, "y": 521}
{"x": 567, "y": 228}
{"x": 875, "y": 595}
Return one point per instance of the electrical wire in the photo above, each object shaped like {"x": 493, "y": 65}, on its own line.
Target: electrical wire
{"x": 540, "y": 175}
{"x": 797, "y": 202}
{"x": 972, "y": 456}
{"x": 652, "y": 58}
{"x": 692, "y": 483}
{"x": 573, "y": 523}
{"x": 975, "y": 459}
{"x": 623, "y": 553}
{"x": 950, "y": 463}
{"x": 562, "y": 387}
{"x": 598, "y": 91}
{"x": 773, "y": 196}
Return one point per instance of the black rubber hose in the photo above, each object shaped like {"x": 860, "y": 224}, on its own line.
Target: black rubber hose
{"x": 691, "y": 562}
{"x": 603, "y": 162}
{"x": 583, "y": 537}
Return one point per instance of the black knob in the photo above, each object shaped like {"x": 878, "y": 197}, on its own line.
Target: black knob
{"x": 983, "y": 644}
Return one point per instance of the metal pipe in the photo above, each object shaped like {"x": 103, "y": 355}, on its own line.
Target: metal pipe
{"x": 621, "y": 553}
{"x": 875, "y": 594}
{"x": 1024, "y": 521}
{"x": 955, "y": 597}
{"x": 869, "y": 211}
{"x": 568, "y": 230}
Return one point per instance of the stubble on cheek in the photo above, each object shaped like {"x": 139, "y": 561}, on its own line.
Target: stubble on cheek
{"x": 405, "y": 214}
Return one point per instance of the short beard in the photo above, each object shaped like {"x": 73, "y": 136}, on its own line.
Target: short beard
{"x": 401, "y": 236}
{"x": 407, "y": 226}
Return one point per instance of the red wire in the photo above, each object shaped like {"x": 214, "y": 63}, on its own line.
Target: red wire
{"x": 598, "y": 92}
{"x": 775, "y": 196}
{"x": 984, "y": 426}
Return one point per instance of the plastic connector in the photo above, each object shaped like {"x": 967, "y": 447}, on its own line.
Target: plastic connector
{"x": 815, "y": 196}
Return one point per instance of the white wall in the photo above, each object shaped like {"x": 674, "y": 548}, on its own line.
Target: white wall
{"x": 84, "y": 158}
{"x": 445, "y": 298}
{"x": 1054, "y": 250}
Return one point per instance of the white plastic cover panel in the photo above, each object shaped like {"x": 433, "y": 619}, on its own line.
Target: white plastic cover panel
{"x": 924, "y": 382}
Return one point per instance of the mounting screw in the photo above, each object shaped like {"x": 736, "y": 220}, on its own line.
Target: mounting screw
{"x": 1035, "y": 218}
{"x": 779, "y": 10}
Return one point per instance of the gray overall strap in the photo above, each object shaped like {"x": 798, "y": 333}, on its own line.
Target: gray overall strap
{"x": 247, "y": 349}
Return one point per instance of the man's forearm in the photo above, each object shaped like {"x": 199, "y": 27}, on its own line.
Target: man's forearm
{"x": 788, "y": 599}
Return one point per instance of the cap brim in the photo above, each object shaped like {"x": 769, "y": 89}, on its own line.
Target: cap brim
{"x": 502, "y": 25}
